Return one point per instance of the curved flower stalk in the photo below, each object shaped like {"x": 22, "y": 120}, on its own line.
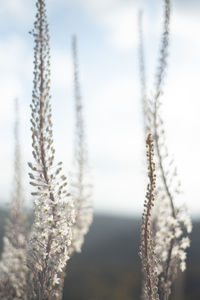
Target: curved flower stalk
{"x": 147, "y": 251}
{"x": 53, "y": 208}
{"x": 171, "y": 220}
{"x": 81, "y": 189}
{"x": 13, "y": 269}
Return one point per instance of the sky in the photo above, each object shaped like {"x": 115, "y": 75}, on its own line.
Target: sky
{"x": 107, "y": 35}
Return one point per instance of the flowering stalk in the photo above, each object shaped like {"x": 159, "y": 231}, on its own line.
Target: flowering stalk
{"x": 53, "y": 209}
{"x": 170, "y": 221}
{"x": 176, "y": 218}
{"x": 81, "y": 189}
{"x": 13, "y": 271}
{"x": 148, "y": 256}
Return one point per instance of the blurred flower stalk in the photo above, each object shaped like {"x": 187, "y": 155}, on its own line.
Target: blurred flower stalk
{"x": 170, "y": 222}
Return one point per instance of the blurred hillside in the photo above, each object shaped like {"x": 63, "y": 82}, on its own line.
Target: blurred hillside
{"x": 109, "y": 266}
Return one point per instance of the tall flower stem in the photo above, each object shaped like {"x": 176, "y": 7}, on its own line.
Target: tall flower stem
{"x": 53, "y": 210}
{"x": 148, "y": 256}
{"x": 170, "y": 221}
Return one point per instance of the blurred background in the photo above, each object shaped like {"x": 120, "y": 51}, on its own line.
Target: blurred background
{"x": 107, "y": 32}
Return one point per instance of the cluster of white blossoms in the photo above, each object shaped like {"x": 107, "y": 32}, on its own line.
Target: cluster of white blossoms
{"x": 54, "y": 213}
{"x": 13, "y": 272}
{"x": 84, "y": 217}
{"x": 171, "y": 239}
{"x": 52, "y": 229}
{"x": 171, "y": 217}
{"x": 173, "y": 223}
{"x": 171, "y": 242}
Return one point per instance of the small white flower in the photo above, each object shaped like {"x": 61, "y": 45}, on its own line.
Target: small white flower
{"x": 164, "y": 255}
{"x": 44, "y": 236}
{"x": 182, "y": 266}
{"x": 178, "y": 232}
{"x": 46, "y": 208}
{"x": 50, "y": 219}
{"x": 182, "y": 255}
{"x": 175, "y": 250}
{"x": 185, "y": 242}
{"x": 56, "y": 280}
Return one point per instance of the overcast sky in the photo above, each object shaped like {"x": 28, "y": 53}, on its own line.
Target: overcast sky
{"x": 108, "y": 43}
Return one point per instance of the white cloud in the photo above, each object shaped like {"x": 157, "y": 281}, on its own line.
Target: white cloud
{"x": 16, "y": 68}
{"x": 121, "y": 192}
{"x": 15, "y": 56}
{"x": 20, "y": 10}
{"x": 123, "y": 27}
{"x": 185, "y": 26}
{"x": 15, "y": 77}
{"x": 118, "y": 17}
{"x": 61, "y": 66}
{"x": 116, "y": 146}
{"x": 114, "y": 120}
